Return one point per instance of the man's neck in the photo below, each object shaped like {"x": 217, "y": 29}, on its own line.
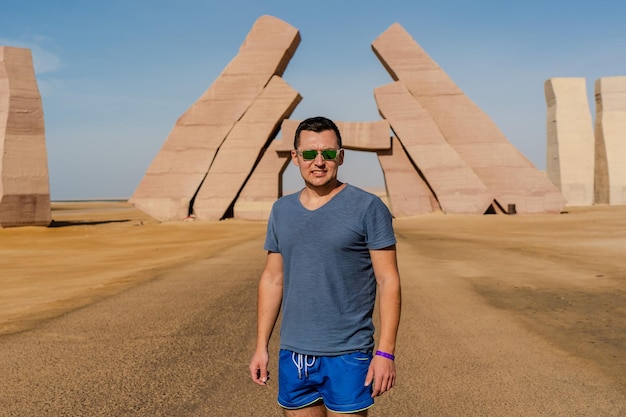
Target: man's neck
{"x": 315, "y": 197}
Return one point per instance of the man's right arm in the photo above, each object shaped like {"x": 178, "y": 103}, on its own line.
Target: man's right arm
{"x": 270, "y": 295}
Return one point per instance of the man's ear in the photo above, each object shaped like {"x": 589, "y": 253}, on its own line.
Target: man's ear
{"x": 340, "y": 158}
{"x": 294, "y": 158}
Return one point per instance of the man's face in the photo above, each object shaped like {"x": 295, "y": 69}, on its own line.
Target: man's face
{"x": 318, "y": 172}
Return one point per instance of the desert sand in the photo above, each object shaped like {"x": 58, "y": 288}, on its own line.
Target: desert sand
{"x": 110, "y": 313}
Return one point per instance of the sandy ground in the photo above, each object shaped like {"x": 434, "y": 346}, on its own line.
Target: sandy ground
{"x": 108, "y": 312}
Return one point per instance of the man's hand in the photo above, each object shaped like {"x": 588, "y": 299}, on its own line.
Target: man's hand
{"x": 382, "y": 373}
{"x": 258, "y": 368}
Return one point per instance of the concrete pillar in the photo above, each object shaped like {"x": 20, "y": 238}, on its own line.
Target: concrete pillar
{"x": 610, "y": 134}
{"x": 570, "y": 140}
{"x": 24, "y": 182}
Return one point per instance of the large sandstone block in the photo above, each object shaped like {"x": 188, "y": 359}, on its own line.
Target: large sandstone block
{"x": 407, "y": 192}
{"x": 356, "y": 136}
{"x": 24, "y": 182}
{"x": 510, "y": 176}
{"x": 456, "y": 187}
{"x": 610, "y": 145}
{"x": 175, "y": 175}
{"x": 242, "y": 148}
{"x": 570, "y": 140}
{"x": 264, "y": 186}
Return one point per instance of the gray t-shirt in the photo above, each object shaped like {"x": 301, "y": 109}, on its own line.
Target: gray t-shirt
{"x": 329, "y": 285}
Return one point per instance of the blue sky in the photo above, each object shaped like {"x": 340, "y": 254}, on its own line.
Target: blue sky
{"x": 115, "y": 75}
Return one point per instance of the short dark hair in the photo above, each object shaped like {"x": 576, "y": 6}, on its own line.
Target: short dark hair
{"x": 316, "y": 124}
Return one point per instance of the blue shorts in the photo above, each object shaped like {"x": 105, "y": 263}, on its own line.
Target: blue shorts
{"x": 336, "y": 380}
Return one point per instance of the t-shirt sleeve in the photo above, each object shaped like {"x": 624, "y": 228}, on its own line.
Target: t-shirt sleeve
{"x": 378, "y": 226}
{"x": 271, "y": 239}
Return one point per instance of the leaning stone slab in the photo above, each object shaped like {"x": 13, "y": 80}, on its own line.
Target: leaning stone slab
{"x": 570, "y": 140}
{"x": 264, "y": 186}
{"x": 176, "y": 173}
{"x": 407, "y": 192}
{"x": 24, "y": 182}
{"x": 512, "y": 178}
{"x": 242, "y": 148}
{"x": 610, "y": 135}
{"x": 456, "y": 187}
{"x": 356, "y": 136}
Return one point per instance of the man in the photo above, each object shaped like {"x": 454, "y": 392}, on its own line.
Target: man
{"x": 330, "y": 247}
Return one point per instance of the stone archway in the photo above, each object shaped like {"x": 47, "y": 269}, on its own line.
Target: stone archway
{"x": 221, "y": 159}
{"x": 407, "y": 192}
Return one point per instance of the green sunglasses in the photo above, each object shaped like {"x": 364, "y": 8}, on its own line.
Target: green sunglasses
{"x": 311, "y": 154}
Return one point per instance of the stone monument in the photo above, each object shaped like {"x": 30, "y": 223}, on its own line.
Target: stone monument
{"x": 222, "y": 159}
{"x": 171, "y": 182}
{"x": 570, "y": 140}
{"x": 264, "y": 186}
{"x": 24, "y": 182}
{"x": 610, "y": 134}
{"x": 517, "y": 185}
{"x": 239, "y": 153}
{"x": 455, "y": 186}
{"x": 407, "y": 191}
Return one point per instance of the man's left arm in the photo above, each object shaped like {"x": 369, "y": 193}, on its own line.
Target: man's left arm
{"x": 382, "y": 371}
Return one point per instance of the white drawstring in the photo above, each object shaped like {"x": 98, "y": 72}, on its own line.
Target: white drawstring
{"x": 302, "y": 362}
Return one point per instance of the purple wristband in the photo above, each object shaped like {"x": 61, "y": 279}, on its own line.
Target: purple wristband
{"x": 385, "y": 355}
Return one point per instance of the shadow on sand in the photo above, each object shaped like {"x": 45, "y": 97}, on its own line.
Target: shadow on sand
{"x": 57, "y": 223}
